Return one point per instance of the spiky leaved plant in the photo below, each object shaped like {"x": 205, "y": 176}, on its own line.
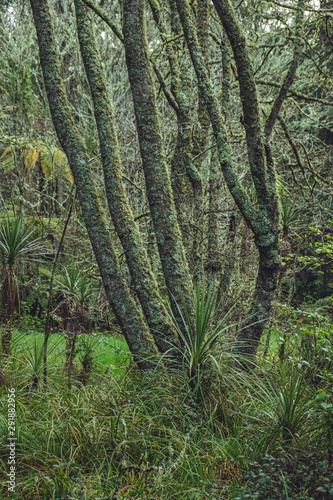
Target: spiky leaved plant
{"x": 290, "y": 218}
{"x": 197, "y": 344}
{"x": 87, "y": 347}
{"x": 76, "y": 288}
{"x": 283, "y": 395}
{"x": 33, "y": 358}
{"x": 16, "y": 243}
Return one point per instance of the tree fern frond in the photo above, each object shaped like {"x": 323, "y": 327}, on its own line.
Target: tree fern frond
{"x": 8, "y": 158}
{"x": 31, "y": 158}
{"x": 46, "y": 163}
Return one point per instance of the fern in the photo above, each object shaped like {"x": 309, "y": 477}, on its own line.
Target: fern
{"x": 53, "y": 160}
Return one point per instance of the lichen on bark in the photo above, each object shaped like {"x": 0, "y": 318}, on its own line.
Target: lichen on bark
{"x": 128, "y": 315}
{"x": 144, "y": 281}
{"x": 264, "y": 220}
{"x": 157, "y": 178}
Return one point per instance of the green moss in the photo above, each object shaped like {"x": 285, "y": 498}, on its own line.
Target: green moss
{"x": 129, "y": 317}
{"x": 121, "y": 213}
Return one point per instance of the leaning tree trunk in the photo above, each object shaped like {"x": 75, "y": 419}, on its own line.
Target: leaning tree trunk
{"x": 158, "y": 184}
{"x": 138, "y": 263}
{"x": 185, "y": 178}
{"x": 127, "y": 313}
{"x": 264, "y": 220}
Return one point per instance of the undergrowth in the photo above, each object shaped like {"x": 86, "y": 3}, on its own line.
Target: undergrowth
{"x": 203, "y": 429}
{"x": 148, "y": 437}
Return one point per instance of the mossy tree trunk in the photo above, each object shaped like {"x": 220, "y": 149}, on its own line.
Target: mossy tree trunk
{"x": 200, "y": 142}
{"x": 185, "y": 176}
{"x": 213, "y": 260}
{"x": 128, "y": 315}
{"x": 218, "y": 272}
{"x": 137, "y": 260}
{"x": 9, "y": 306}
{"x": 264, "y": 219}
{"x": 261, "y": 217}
{"x": 157, "y": 178}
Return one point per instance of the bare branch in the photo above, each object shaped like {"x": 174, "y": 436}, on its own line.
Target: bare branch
{"x": 296, "y": 94}
{"x": 289, "y": 78}
{"x": 100, "y": 12}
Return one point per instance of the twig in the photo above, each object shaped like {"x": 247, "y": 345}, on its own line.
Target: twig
{"x": 296, "y": 94}
{"x": 48, "y": 313}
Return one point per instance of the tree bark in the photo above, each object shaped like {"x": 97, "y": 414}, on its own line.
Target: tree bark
{"x": 185, "y": 178}
{"x": 129, "y": 317}
{"x": 158, "y": 185}
{"x": 289, "y": 78}
{"x": 143, "y": 279}
{"x": 264, "y": 220}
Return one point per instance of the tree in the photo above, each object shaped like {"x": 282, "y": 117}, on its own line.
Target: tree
{"x": 143, "y": 317}
{"x": 15, "y": 244}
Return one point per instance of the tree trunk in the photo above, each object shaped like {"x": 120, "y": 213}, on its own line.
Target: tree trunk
{"x": 263, "y": 299}
{"x": 129, "y": 317}
{"x": 143, "y": 279}
{"x": 158, "y": 185}
{"x": 264, "y": 220}
{"x": 10, "y": 304}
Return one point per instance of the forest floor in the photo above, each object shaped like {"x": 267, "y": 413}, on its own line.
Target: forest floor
{"x": 119, "y": 435}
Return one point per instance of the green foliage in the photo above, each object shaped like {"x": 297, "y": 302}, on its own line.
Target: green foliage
{"x": 146, "y": 437}
{"x": 198, "y": 342}
{"x": 283, "y": 402}
{"x": 323, "y": 411}
{"x": 322, "y": 250}
{"x": 309, "y": 343}
{"x": 52, "y": 160}
{"x": 265, "y": 434}
{"x": 281, "y": 478}
{"x": 34, "y": 357}
{"x": 75, "y": 285}
{"x": 289, "y": 218}
{"x": 16, "y": 242}
{"x": 86, "y": 350}
{"x": 28, "y": 321}
{"x": 19, "y": 87}
{"x": 293, "y": 408}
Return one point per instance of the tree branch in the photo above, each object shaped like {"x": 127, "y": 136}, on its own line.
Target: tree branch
{"x": 102, "y": 14}
{"x": 216, "y": 118}
{"x": 248, "y": 95}
{"x": 289, "y": 78}
{"x": 295, "y": 94}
